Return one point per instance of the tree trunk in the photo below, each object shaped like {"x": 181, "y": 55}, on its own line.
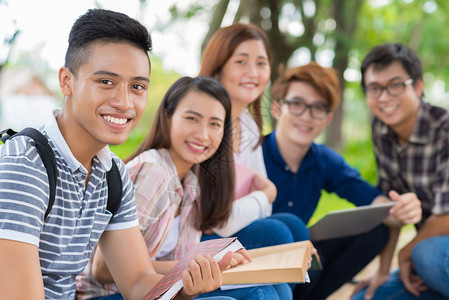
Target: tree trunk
{"x": 281, "y": 50}
{"x": 253, "y": 11}
{"x": 345, "y": 14}
{"x": 215, "y": 22}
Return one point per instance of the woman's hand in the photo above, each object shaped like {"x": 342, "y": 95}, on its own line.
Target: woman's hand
{"x": 262, "y": 183}
{"x": 203, "y": 275}
{"x": 239, "y": 258}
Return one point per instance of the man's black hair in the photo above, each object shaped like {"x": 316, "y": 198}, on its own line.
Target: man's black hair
{"x": 384, "y": 55}
{"x": 103, "y": 26}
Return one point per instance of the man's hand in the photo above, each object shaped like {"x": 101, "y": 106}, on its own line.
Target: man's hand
{"x": 203, "y": 275}
{"x": 407, "y": 208}
{"x": 412, "y": 282}
{"x": 371, "y": 282}
{"x": 435, "y": 225}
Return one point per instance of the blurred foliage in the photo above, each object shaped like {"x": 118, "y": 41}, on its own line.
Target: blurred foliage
{"x": 328, "y": 202}
{"x": 160, "y": 81}
{"x": 309, "y": 28}
{"x": 337, "y": 33}
{"x": 417, "y": 23}
{"x": 9, "y": 35}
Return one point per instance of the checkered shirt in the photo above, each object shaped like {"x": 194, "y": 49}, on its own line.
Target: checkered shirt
{"x": 421, "y": 165}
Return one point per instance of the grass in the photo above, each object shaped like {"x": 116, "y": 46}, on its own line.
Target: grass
{"x": 358, "y": 154}
{"x": 328, "y": 202}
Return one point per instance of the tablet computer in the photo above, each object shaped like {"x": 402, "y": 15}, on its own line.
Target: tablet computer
{"x": 351, "y": 221}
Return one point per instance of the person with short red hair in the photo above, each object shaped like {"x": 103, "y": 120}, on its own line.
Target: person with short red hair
{"x": 304, "y": 99}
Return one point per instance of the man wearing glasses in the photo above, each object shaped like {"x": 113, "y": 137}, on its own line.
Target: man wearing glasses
{"x": 411, "y": 144}
{"x": 303, "y": 101}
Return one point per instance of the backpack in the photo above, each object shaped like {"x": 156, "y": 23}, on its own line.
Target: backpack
{"x": 47, "y": 155}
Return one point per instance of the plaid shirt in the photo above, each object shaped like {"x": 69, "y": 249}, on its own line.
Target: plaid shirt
{"x": 159, "y": 193}
{"x": 420, "y": 166}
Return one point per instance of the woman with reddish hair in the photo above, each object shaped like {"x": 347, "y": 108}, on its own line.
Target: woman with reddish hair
{"x": 239, "y": 56}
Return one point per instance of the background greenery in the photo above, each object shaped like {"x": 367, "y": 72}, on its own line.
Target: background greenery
{"x": 357, "y": 150}
{"x": 341, "y": 31}
{"x": 335, "y": 33}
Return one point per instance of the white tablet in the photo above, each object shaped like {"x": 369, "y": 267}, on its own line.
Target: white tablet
{"x": 351, "y": 221}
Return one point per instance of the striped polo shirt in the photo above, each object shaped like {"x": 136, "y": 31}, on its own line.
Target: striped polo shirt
{"x": 78, "y": 216}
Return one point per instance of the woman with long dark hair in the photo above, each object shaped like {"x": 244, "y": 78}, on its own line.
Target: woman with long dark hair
{"x": 184, "y": 183}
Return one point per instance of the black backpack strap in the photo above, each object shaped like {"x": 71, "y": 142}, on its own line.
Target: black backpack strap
{"x": 6, "y": 134}
{"x": 48, "y": 158}
{"x": 114, "y": 188}
{"x": 45, "y": 152}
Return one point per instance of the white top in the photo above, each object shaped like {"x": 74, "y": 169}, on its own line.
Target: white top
{"x": 255, "y": 205}
{"x": 172, "y": 238}
{"x": 249, "y": 137}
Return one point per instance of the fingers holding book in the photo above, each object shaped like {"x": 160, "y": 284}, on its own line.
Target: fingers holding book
{"x": 313, "y": 252}
{"x": 239, "y": 257}
{"x": 204, "y": 274}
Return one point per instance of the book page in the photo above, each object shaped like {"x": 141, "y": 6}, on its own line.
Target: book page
{"x": 282, "y": 263}
{"x": 293, "y": 258}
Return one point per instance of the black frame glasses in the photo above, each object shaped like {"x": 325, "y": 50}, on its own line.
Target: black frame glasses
{"x": 396, "y": 88}
{"x": 297, "y": 107}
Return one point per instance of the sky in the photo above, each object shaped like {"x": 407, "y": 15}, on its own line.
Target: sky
{"x": 45, "y": 26}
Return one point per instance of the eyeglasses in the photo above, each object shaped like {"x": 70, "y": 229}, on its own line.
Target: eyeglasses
{"x": 298, "y": 106}
{"x": 396, "y": 88}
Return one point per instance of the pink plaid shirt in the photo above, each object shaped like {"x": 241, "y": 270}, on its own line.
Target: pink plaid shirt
{"x": 158, "y": 193}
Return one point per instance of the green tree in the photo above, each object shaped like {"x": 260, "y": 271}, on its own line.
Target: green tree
{"x": 340, "y": 31}
{"x": 320, "y": 26}
{"x": 420, "y": 24}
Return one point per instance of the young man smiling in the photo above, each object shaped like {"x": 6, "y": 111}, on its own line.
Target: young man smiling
{"x": 105, "y": 82}
{"x": 411, "y": 144}
{"x": 303, "y": 100}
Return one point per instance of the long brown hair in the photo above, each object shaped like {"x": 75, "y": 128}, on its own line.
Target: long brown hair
{"x": 216, "y": 174}
{"x": 221, "y": 47}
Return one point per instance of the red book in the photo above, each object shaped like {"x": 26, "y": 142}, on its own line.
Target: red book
{"x": 171, "y": 283}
